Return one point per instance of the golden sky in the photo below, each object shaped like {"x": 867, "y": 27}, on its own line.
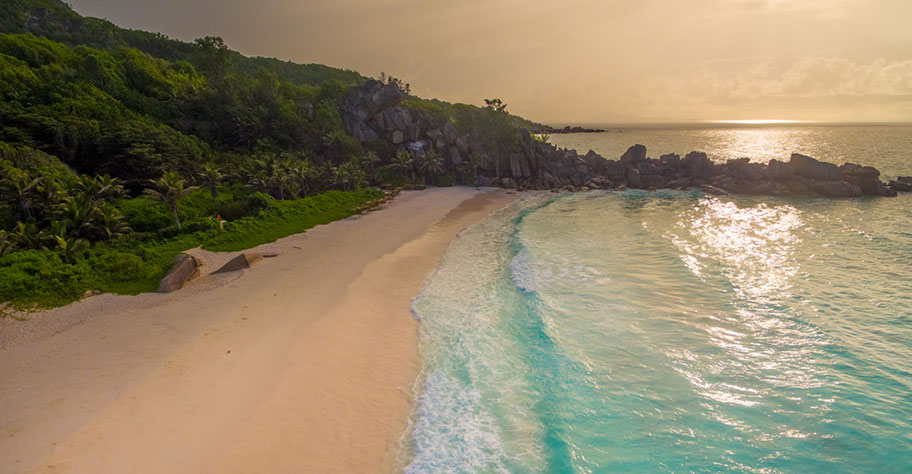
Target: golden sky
{"x": 584, "y": 61}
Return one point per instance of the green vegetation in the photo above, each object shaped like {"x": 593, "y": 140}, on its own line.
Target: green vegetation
{"x": 170, "y": 189}
{"x": 133, "y": 264}
{"x": 55, "y": 20}
{"x": 540, "y": 137}
{"x": 285, "y": 218}
{"x": 498, "y": 130}
{"x": 132, "y": 116}
{"x": 121, "y": 148}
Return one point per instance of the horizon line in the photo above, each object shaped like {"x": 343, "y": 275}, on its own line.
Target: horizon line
{"x": 740, "y": 122}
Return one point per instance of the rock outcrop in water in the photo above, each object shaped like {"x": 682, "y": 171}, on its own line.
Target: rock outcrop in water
{"x": 801, "y": 175}
{"x": 375, "y": 111}
{"x": 577, "y": 129}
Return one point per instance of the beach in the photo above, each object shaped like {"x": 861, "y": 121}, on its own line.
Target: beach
{"x": 303, "y": 363}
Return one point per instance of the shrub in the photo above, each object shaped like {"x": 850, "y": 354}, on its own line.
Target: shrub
{"x": 42, "y": 278}
{"x": 198, "y": 204}
{"x": 391, "y": 177}
{"x": 203, "y": 224}
{"x": 122, "y": 272}
{"x": 289, "y": 217}
{"x": 144, "y": 214}
{"x": 259, "y": 202}
{"x": 446, "y": 180}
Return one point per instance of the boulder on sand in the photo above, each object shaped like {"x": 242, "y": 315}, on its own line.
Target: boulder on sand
{"x": 242, "y": 261}
{"x": 184, "y": 269}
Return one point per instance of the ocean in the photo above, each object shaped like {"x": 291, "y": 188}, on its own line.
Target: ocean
{"x": 672, "y": 331}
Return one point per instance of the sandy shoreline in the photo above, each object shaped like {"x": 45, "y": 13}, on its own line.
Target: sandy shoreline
{"x": 304, "y": 363}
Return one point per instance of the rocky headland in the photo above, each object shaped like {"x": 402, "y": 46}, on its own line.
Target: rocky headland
{"x": 374, "y": 111}
{"x": 576, "y": 129}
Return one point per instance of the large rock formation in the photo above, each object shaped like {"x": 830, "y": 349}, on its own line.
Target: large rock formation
{"x": 374, "y": 111}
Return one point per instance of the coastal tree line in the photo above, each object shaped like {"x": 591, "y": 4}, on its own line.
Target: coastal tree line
{"x": 120, "y": 148}
{"x": 140, "y": 127}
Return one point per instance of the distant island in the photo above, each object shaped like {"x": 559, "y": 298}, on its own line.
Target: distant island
{"x": 576, "y": 129}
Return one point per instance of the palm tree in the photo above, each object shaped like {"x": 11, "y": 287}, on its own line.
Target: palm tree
{"x": 26, "y": 236}
{"x": 6, "y": 243}
{"x": 280, "y": 181}
{"x": 269, "y": 175}
{"x": 475, "y": 162}
{"x": 111, "y": 188}
{"x": 210, "y": 177}
{"x": 328, "y": 175}
{"x": 303, "y": 172}
{"x": 48, "y": 236}
{"x": 170, "y": 189}
{"x": 464, "y": 172}
{"x": 79, "y": 214}
{"x": 68, "y": 245}
{"x": 99, "y": 188}
{"x": 110, "y": 222}
{"x": 88, "y": 211}
{"x": 344, "y": 174}
{"x": 431, "y": 164}
{"x": 403, "y": 162}
{"x": 358, "y": 178}
{"x": 257, "y": 180}
{"x": 48, "y": 196}
{"x": 19, "y": 189}
{"x": 369, "y": 162}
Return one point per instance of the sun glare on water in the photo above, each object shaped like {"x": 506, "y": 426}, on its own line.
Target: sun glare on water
{"x": 759, "y": 122}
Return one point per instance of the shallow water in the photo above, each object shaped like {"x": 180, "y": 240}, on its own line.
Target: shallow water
{"x": 671, "y": 332}
{"x": 668, "y": 332}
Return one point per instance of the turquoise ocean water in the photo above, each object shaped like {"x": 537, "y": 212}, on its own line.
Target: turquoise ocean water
{"x": 670, "y": 332}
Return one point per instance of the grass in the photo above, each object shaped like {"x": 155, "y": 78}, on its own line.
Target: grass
{"x": 289, "y": 217}
{"x": 37, "y": 279}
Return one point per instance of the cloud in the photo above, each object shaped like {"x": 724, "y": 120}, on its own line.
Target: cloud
{"x": 837, "y": 88}
{"x": 809, "y": 77}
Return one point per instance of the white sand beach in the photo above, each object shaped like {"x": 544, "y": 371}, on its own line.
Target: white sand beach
{"x": 303, "y": 363}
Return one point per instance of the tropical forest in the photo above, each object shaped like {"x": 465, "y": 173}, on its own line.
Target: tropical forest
{"x": 120, "y": 149}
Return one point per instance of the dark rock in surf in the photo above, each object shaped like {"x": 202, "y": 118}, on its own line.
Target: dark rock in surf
{"x": 808, "y": 167}
{"x": 778, "y": 170}
{"x": 634, "y": 154}
{"x": 698, "y": 165}
{"x": 839, "y": 189}
{"x": 634, "y": 179}
{"x": 874, "y": 187}
{"x": 901, "y": 186}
